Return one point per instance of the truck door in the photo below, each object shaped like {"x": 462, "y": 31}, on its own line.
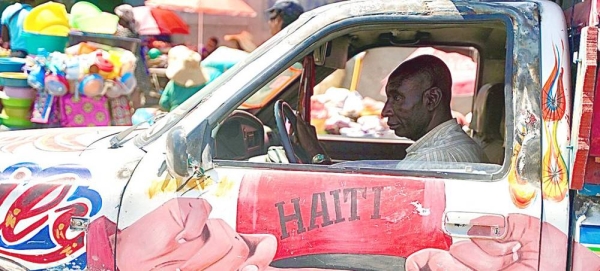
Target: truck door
{"x": 246, "y": 209}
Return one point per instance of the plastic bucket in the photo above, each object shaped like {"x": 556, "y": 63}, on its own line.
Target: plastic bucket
{"x": 19, "y": 93}
{"x": 50, "y": 43}
{"x": 13, "y": 79}
{"x": 11, "y": 64}
{"x": 13, "y": 102}
{"x": 17, "y": 112}
{"x": 14, "y": 122}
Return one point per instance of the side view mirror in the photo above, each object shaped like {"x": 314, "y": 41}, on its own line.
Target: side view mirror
{"x": 188, "y": 150}
{"x": 177, "y": 155}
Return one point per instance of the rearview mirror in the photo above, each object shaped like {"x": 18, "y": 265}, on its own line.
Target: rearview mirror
{"x": 177, "y": 155}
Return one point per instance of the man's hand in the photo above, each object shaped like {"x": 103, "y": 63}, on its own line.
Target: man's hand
{"x": 305, "y": 137}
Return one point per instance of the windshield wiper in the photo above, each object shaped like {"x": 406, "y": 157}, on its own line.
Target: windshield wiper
{"x": 119, "y": 138}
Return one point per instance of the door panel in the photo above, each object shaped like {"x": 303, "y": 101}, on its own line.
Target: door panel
{"x": 348, "y": 149}
{"x": 316, "y": 213}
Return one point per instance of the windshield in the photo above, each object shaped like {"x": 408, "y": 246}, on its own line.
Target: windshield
{"x": 185, "y": 108}
{"x": 266, "y": 93}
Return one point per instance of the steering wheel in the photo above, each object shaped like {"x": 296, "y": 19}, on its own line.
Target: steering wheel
{"x": 283, "y": 114}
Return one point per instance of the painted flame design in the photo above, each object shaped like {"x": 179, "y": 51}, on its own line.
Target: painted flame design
{"x": 554, "y": 172}
{"x": 553, "y": 92}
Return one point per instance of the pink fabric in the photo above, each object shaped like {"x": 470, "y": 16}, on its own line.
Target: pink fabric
{"x": 222, "y": 7}
{"x": 84, "y": 112}
{"x": 155, "y": 21}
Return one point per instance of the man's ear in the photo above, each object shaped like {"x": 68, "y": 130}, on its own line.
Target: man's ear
{"x": 432, "y": 98}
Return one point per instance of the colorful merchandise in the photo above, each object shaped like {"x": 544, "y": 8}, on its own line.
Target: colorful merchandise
{"x": 83, "y": 111}
{"x": 45, "y": 110}
{"x": 120, "y": 111}
{"x": 73, "y": 89}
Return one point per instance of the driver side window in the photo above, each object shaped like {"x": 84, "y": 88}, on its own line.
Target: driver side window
{"x": 347, "y": 108}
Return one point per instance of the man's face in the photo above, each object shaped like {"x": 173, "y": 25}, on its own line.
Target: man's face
{"x": 405, "y": 107}
{"x": 275, "y": 24}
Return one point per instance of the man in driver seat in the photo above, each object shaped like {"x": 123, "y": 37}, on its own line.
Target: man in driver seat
{"x": 418, "y": 107}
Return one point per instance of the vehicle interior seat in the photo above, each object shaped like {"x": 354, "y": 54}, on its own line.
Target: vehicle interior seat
{"x": 487, "y": 122}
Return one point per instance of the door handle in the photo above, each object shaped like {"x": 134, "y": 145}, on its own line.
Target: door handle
{"x": 474, "y": 225}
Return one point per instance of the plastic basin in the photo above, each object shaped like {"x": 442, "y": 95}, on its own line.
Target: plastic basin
{"x": 103, "y": 23}
{"x": 18, "y": 93}
{"x": 14, "y": 122}
{"x": 35, "y": 41}
{"x": 44, "y": 15}
{"x": 13, "y": 79}
{"x": 14, "y": 102}
{"x": 55, "y": 30}
{"x": 17, "y": 112}
{"x": 11, "y": 64}
{"x": 82, "y": 9}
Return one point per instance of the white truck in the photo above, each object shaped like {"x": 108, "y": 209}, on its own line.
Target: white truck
{"x": 199, "y": 189}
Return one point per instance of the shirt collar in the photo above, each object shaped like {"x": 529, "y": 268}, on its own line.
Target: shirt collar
{"x": 424, "y": 140}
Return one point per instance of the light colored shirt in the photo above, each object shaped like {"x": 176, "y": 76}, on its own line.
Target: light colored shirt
{"x": 13, "y": 17}
{"x": 445, "y": 143}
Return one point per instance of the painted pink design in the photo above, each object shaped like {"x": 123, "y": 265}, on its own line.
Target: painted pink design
{"x": 518, "y": 250}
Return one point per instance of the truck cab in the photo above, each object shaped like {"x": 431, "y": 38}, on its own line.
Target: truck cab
{"x": 216, "y": 185}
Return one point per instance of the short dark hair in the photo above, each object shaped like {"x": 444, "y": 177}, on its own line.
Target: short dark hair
{"x": 214, "y": 39}
{"x": 427, "y": 66}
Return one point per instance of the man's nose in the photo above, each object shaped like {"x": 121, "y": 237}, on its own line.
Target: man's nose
{"x": 387, "y": 109}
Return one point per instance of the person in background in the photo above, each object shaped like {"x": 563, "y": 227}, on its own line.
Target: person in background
{"x": 12, "y": 27}
{"x": 210, "y": 46}
{"x": 128, "y": 28}
{"x": 281, "y": 14}
{"x": 186, "y": 77}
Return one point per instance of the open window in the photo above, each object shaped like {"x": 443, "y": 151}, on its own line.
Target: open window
{"x": 351, "y": 66}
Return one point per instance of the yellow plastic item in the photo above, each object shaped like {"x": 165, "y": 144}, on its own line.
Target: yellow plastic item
{"x": 103, "y": 23}
{"x": 82, "y": 9}
{"x": 14, "y": 75}
{"x": 114, "y": 58}
{"x": 56, "y": 30}
{"x": 45, "y": 15}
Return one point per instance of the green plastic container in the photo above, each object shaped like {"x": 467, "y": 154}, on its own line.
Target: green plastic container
{"x": 15, "y": 122}
{"x": 35, "y": 41}
{"x": 17, "y": 112}
{"x": 20, "y": 103}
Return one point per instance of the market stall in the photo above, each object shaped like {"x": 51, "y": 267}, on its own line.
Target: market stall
{"x": 76, "y": 74}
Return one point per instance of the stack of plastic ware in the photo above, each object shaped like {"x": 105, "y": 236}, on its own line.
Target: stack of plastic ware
{"x": 17, "y": 97}
{"x": 47, "y": 26}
